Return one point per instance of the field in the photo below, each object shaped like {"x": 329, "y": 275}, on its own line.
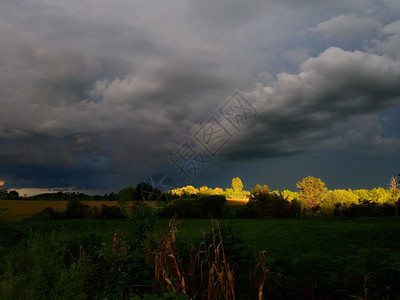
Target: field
{"x": 320, "y": 258}
{"x": 305, "y": 257}
{"x": 19, "y": 210}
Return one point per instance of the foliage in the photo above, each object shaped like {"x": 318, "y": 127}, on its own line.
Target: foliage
{"x": 337, "y": 198}
{"x": 309, "y": 258}
{"x": 218, "y": 191}
{"x": 312, "y": 191}
{"x": 212, "y": 206}
{"x": 169, "y": 273}
{"x": 186, "y": 192}
{"x": 77, "y": 210}
{"x": 125, "y": 196}
{"x": 364, "y": 208}
{"x": 141, "y": 221}
{"x": 206, "y": 191}
{"x": 8, "y": 195}
{"x": 237, "y": 185}
{"x": 145, "y": 191}
{"x": 108, "y": 213}
{"x": 48, "y": 213}
{"x": 65, "y": 196}
{"x": 9, "y": 236}
{"x": 182, "y": 208}
{"x": 264, "y": 204}
{"x": 289, "y": 195}
{"x": 203, "y": 207}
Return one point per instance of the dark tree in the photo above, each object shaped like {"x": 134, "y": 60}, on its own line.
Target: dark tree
{"x": 13, "y": 195}
{"x": 144, "y": 191}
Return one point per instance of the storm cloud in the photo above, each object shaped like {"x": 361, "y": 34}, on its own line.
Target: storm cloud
{"x": 96, "y": 94}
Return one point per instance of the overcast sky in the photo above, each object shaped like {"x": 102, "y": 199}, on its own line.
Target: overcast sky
{"x": 97, "y": 95}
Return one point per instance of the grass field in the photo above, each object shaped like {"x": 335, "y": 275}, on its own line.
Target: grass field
{"x": 331, "y": 255}
{"x": 19, "y": 210}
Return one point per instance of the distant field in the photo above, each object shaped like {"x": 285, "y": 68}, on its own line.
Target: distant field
{"x": 233, "y": 202}
{"x": 19, "y": 210}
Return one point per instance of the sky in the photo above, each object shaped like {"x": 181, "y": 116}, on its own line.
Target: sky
{"x": 97, "y": 95}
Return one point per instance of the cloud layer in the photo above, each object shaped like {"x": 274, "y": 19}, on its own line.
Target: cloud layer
{"x": 96, "y": 94}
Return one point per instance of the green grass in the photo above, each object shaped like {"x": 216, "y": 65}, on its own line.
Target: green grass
{"x": 326, "y": 254}
{"x": 279, "y": 236}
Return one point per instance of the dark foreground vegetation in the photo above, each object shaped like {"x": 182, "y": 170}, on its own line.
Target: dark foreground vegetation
{"x": 312, "y": 244}
{"x": 143, "y": 257}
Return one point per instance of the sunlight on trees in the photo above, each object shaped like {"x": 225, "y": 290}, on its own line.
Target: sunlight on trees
{"x": 394, "y": 194}
{"x": 312, "y": 191}
{"x": 237, "y": 185}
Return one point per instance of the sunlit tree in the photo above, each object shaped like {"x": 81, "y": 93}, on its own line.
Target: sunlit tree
{"x": 394, "y": 194}
{"x": 312, "y": 191}
{"x": 259, "y": 192}
{"x": 189, "y": 191}
{"x": 206, "y": 191}
{"x": 237, "y": 185}
{"x": 288, "y": 195}
{"x": 218, "y": 191}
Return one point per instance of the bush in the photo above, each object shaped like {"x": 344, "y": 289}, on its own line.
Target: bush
{"x": 364, "y": 208}
{"x": 204, "y": 207}
{"x": 264, "y": 204}
{"x": 77, "y": 210}
{"x": 212, "y": 206}
{"x": 48, "y": 213}
{"x": 142, "y": 220}
{"x": 109, "y": 213}
{"x": 182, "y": 208}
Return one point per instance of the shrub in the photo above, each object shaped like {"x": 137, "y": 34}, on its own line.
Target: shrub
{"x": 77, "y": 210}
{"x": 264, "y": 204}
{"x": 142, "y": 221}
{"x": 110, "y": 213}
{"x": 204, "y": 207}
{"x": 365, "y": 208}
{"x": 212, "y": 206}
{"x": 48, "y": 213}
{"x": 182, "y": 208}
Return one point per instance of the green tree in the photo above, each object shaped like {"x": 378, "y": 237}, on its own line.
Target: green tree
{"x": 312, "y": 191}
{"x": 237, "y": 185}
{"x": 394, "y": 194}
{"x": 218, "y": 191}
{"x": 13, "y": 195}
{"x": 265, "y": 204}
{"x": 3, "y": 194}
{"x": 125, "y": 196}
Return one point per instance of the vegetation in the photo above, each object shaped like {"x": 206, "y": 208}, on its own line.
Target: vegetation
{"x": 264, "y": 204}
{"x": 312, "y": 199}
{"x": 312, "y": 191}
{"x": 203, "y": 207}
{"x": 142, "y": 257}
{"x": 281, "y": 244}
{"x": 8, "y": 195}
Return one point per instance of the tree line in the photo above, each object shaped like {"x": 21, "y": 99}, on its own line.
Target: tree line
{"x": 312, "y": 198}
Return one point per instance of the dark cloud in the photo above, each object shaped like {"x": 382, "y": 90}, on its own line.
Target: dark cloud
{"x": 97, "y": 93}
{"x": 332, "y": 98}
